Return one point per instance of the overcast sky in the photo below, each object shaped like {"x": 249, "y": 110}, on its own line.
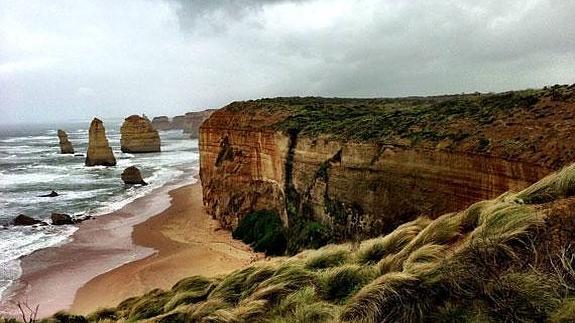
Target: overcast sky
{"x": 74, "y": 59}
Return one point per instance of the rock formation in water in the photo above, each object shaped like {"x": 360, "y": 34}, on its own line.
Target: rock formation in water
{"x": 25, "y": 220}
{"x": 194, "y": 120}
{"x": 161, "y": 123}
{"x": 61, "y": 219}
{"x": 65, "y": 144}
{"x": 178, "y": 122}
{"x": 51, "y": 194}
{"x": 363, "y": 166}
{"x": 132, "y": 176}
{"x": 99, "y": 152}
{"x": 139, "y": 136}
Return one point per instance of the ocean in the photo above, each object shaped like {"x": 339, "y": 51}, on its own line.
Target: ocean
{"x": 31, "y": 165}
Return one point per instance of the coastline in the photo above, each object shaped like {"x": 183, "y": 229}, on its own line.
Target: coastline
{"x": 147, "y": 239}
{"x": 188, "y": 242}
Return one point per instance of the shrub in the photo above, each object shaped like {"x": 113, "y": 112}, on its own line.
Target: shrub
{"x": 307, "y": 234}
{"x": 264, "y": 231}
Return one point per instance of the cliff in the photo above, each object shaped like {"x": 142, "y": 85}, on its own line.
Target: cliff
{"x": 65, "y": 145}
{"x": 99, "y": 152}
{"x": 139, "y": 136}
{"x": 363, "y": 166}
{"x": 193, "y": 121}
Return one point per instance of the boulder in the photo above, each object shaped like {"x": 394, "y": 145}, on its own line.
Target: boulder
{"x": 61, "y": 219}
{"x": 65, "y": 144}
{"x": 161, "y": 123}
{"x": 139, "y": 136}
{"x": 25, "y": 220}
{"x": 51, "y": 194}
{"x": 99, "y": 152}
{"x": 132, "y": 175}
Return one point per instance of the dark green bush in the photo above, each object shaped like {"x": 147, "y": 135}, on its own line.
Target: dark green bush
{"x": 307, "y": 234}
{"x": 264, "y": 231}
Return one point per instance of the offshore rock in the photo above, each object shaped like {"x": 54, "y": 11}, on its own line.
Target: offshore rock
{"x": 25, "y": 220}
{"x": 61, "y": 219}
{"x": 161, "y": 123}
{"x": 132, "y": 176}
{"x": 65, "y": 144}
{"x": 139, "y": 136}
{"x": 178, "y": 122}
{"x": 51, "y": 194}
{"x": 99, "y": 152}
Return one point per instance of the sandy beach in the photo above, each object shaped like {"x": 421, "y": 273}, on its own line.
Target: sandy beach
{"x": 150, "y": 243}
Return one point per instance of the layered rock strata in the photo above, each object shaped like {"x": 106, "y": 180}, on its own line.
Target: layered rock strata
{"x": 99, "y": 152}
{"x": 139, "y": 136}
{"x": 65, "y": 145}
{"x": 364, "y": 166}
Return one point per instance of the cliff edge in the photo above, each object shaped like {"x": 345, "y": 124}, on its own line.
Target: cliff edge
{"x": 363, "y": 166}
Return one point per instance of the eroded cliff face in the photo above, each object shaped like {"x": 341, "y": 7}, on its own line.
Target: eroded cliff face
{"x": 65, "y": 144}
{"x": 359, "y": 188}
{"x": 99, "y": 151}
{"x": 193, "y": 121}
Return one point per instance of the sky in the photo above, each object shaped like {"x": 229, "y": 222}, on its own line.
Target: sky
{"x": 74, "y": 59}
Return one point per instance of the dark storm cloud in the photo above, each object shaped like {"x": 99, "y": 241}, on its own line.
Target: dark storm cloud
{"x": 170, "y": 56}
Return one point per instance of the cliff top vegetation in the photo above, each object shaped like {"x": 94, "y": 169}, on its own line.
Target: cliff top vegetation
{"x": 483, "y": 123}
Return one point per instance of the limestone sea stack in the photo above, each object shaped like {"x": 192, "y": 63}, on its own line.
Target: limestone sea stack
{"x": 161, "y": 123}
{"x": 139, "y": 136}
{"x": 178, "y": 122}
{"x": 65, "y": 144}
{"x": 99, "y": 152}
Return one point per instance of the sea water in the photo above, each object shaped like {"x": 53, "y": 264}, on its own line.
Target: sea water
{"x": 31, "y": 165}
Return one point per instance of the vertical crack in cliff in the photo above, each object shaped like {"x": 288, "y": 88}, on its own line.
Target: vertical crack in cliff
{"x": 291, "y": 195}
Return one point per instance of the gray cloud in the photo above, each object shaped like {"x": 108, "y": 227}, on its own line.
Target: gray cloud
{"x": 170, "y": 56}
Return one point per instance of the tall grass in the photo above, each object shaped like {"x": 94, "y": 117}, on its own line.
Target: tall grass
{"x": 476, "y": 265}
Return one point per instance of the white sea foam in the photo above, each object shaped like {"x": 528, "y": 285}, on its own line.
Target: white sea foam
{"x": 30, "y": 165}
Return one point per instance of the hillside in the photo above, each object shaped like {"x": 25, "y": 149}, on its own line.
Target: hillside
{"x": 349, "y": 169}
{"x": 505, "y": 259}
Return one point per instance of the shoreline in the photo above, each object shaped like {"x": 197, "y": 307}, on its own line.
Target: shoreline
{"x": 140, "y": 237}
{"x": 188, "y": 242}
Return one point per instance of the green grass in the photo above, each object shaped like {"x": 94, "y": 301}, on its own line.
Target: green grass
{"x": 477, "y": 265}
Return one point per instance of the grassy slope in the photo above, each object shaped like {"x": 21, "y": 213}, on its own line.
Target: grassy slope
{"x": 478, "y": 265}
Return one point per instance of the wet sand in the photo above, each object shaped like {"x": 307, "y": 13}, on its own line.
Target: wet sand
{"x": 150, "y": 243}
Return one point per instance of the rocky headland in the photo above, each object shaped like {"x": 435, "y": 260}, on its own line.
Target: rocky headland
{"x": 354, "y": 168}
{"x": 139, "y": 136}
{"x": 65, "y": 145}
{"x": 99, "y": 151}
{"x": 189, "y": 123}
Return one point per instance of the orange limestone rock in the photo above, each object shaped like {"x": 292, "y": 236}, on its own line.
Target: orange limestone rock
{"x": 99, "y": 152}
{"x": 364, "y": 166}
{"x": 65, "y": 144}
{"x": 139, "y": 136}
